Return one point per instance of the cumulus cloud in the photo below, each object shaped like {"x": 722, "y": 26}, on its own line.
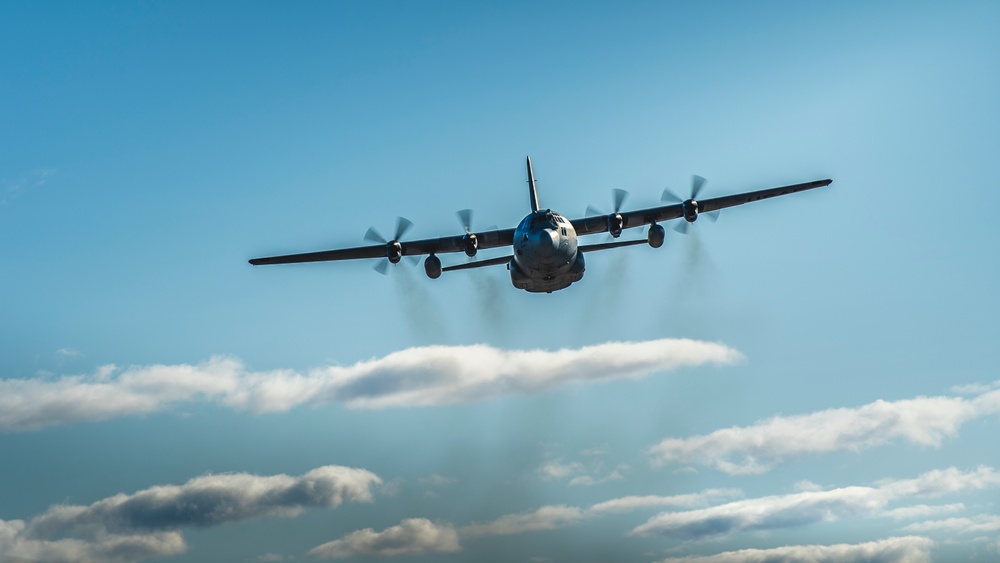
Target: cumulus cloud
{"x": 413, "y": 536}
{"x": 423, "y": 376}
{"x": 544, "y": 518}
{"x": 807, "y": 507}
{"x": 759, "y": 447}
{"x": 149, "y": 523}
{"x": 17, "y": 547}
{"x": 909, "y": 549}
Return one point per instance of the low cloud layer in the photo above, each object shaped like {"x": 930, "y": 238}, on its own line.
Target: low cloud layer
{"x": 808, "y": 507}
{"x": 551, "y": 517}
{"x": 425, "y": 376}
{"x": 759, "y": 447}
{"x": 909, "y": 549}
{"x": 149, "y": 523}
{"x": 544, "y": 518}
{"x": 413, "y": 536}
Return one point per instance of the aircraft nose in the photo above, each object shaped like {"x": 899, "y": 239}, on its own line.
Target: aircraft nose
{"x": 546, "y": 241}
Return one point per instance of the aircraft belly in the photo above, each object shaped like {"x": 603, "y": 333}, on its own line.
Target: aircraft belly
{"x": 548, "y": 274}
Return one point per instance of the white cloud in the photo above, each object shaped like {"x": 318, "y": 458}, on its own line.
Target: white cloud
{"x": 148, "y": 523}
{"x": 267, "y": 557}
{"x": 616, "y": 474}
{"x": 806, "y": 485}
{"x": 923, "y": 511}
{"x": 765, "y": 513}
{"x": 910, "y": 549}
{"x": 16, "y": 547}
{"x": 940, "y": 482}
{"x": 757, "y": 448}
{"x": 34, "y": 403}
{"x": 556, "y": 469}
{"x": 544, "y": 518}
{"x": 426, "y": 376}
{"x": 625, "y": 504}
{"x": 807, "y": 507}
{"x": 975, "y": 388}
{"x": 973, "y": 525}
{"x": 413, "y": 536}
{"x": 558, "y": 516}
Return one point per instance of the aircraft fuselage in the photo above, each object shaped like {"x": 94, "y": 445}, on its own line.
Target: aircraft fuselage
{"x": 546, "y": 257}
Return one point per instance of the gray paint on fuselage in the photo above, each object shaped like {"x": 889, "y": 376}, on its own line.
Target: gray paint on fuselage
{"x": 546, "y": 257}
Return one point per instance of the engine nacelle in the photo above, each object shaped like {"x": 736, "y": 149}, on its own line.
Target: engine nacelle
{"x": 432, "y": 266}
{"x": 471, "y": 244}
{"x": 394, "y": 251}
{"x": 615, "y": 224}
{"x": 655, "y": 235}
{"x": 690, "y": 209}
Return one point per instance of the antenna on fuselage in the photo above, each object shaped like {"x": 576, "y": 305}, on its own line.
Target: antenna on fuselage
{"x": 531, "y": 187}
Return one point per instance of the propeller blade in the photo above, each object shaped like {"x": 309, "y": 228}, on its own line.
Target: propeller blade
{"x": 670, "y": 196}
{"x": 712, "y": 216}
{"x": 697, "y": 183}
{"x": 382, "y": 267}
{"x": 619, "y": 198}
{"x": 594, "y": 212}
{"x": 682, "y": 227}
{"x": 374, "y": 236}
{"x": 413, "y": 259}
{"x": 465, "y": 217}
{"x": 402, "y": 225}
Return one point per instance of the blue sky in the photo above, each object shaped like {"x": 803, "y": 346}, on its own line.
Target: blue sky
{"x": 845, "y": 336}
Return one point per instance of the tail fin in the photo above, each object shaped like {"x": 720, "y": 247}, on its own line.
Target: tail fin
{"x": 531, "y": 187}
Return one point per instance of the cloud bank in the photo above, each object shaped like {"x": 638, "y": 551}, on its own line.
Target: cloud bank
{"x": 149, "y": 523}
{"x": 413, "y": 536}
{"x": 807, "y": 507}
{"x": 909, "y": 549}
{"x": 759, "y": 447}
{"x": 416, "y": 377}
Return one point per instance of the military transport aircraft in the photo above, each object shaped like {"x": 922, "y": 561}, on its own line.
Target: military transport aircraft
{"x": 546, "y": 256}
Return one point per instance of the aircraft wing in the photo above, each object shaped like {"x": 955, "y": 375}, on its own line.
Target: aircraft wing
{"x": 443, "y": 245}
{"x": 640, "y": 217}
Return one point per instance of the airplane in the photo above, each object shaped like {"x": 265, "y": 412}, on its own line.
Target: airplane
{"x": 546, "y": 254}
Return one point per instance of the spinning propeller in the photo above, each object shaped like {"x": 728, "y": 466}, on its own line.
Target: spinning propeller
{"x": 393, "y": 248}
{"x": 615, "y": 221}
{"x": 469, "y": 241}
{"x": 689, "y": 205}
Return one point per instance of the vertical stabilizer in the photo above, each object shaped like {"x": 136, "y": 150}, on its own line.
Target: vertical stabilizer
{"x": 531, "y": 187}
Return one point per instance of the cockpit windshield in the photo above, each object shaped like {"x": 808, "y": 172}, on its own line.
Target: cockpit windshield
{"x": 545, "y": 219}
